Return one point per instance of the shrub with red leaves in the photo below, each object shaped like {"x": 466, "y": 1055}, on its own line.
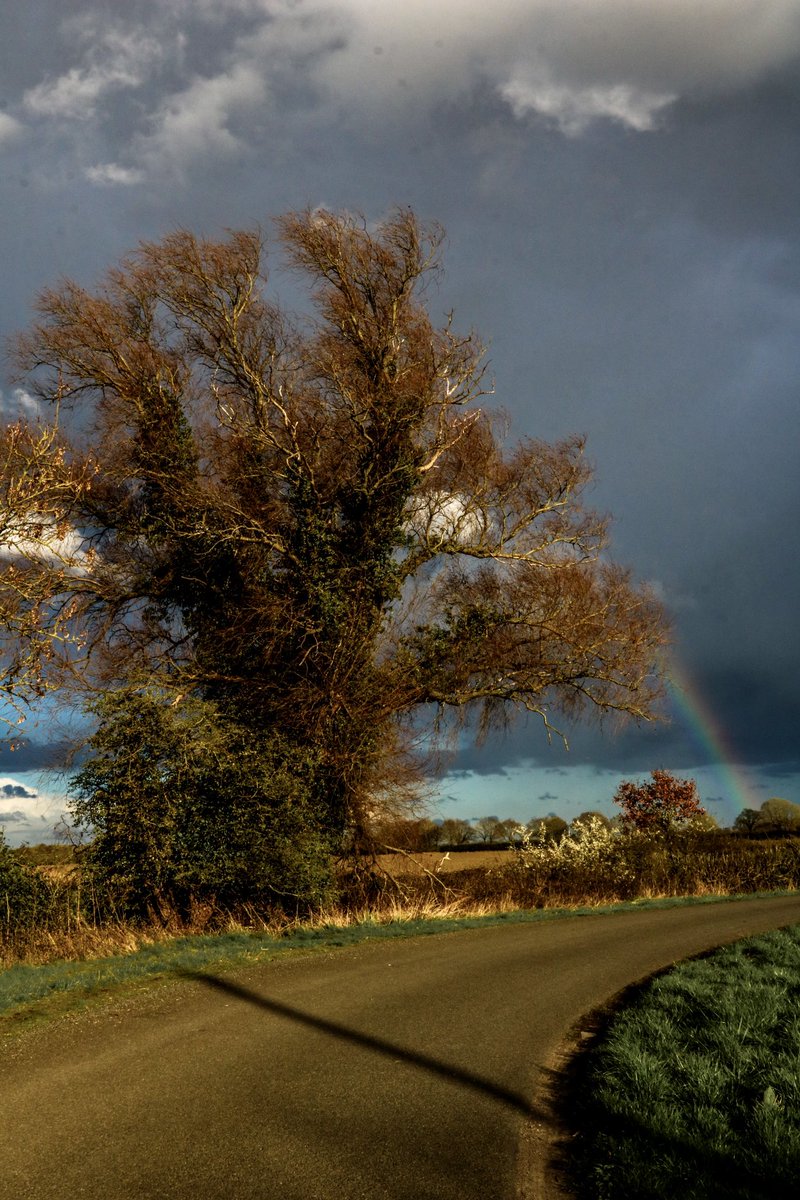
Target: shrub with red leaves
{"x": 662, "y": 805}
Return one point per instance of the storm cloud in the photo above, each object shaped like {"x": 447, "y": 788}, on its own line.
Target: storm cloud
{"x": 620, "y": 184}
{"x": 169, "y": 83}
{"x": 16, "y": 789}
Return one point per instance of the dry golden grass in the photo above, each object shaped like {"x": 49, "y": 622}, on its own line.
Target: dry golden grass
{"x": 398, "y": 908}
{"x": 84, "y": 941}
{"x": 420, "y": 862}
{"x": 57, "y": 871}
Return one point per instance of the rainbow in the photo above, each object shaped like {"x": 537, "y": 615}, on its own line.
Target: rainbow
{"x": 711, "y": 739}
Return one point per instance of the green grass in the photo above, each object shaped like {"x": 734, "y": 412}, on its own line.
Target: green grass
{"x": 694, "y": 1089}
{"x": 38, "y": 991}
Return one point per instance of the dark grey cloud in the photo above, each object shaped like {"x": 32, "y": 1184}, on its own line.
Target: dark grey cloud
{"x": 17, "y": 789}
{"x": 621, "y": 189}
{"x": 476, "y": 760}
{"x": 33, "y": 755}
{"x": 783, "y": 770}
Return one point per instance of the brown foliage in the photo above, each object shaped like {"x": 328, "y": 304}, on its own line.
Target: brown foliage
{"x": 41, "y": 491}
{"x": 311, "y": 523}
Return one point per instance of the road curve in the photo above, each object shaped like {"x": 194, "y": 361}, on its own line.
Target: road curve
{"x": 405, "y": 1070}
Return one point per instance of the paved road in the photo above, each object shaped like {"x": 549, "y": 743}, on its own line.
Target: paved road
{"x": 406, "y": 1070}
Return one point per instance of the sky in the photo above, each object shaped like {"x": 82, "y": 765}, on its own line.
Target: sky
{"x": 620, "y": 185}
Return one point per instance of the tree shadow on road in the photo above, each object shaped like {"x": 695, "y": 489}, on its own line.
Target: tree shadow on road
{"x": 456, "y": 1075}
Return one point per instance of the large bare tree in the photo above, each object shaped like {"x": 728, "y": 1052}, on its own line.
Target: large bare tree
{"x": 312, "y": 522}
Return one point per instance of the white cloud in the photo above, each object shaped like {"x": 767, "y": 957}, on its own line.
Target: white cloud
{"x": 441, "y": 518}
{"x": 374, "y": 63}
{"x": 196, "y": 121}
{"x": 673, "y": 601}
{"x": 20, "y": 404}
{"x": 117, "y": 60}
{"x": 573, "y": 109}
{"x": 44, "y": 803}
{"x": 114, "y": 175}
{"x": 571, "y": 63}
{"x": 43, "y": 540}
{"x": 10, "y": 129}
{"x": 217, "y": 11}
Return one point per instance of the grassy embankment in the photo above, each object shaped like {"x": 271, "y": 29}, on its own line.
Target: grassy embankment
{"x": 693, "y": 1089}
{"x": 39, "y": 989}
{"x": 50, "y": 908}
{"x": 50, "y": 913}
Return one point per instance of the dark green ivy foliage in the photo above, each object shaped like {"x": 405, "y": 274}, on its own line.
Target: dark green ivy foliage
{"x": 184, "y": 808}
{"x": 24, "y": 894}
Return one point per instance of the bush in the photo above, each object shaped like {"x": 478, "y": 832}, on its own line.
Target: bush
{"x": 185, "y": 807}
{"x": 594, "y": 864}
{"x": 591, "y": 859}
{"x": 25, "y": 895}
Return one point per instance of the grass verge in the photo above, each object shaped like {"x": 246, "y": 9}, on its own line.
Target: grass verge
{"x": 34, "y": 991}
{"x": 693, "y": 1089}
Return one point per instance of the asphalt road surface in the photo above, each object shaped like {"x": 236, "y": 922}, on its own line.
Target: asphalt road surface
{"x": 405, "y": 1070}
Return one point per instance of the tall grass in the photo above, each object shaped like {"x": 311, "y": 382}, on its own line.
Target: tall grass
{"x": 72, "y": 924}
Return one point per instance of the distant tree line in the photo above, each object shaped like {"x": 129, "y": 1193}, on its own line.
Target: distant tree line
{"x": 775, "y": 818}
{"x": 458, "y": 833}
{"x": 662, "y": 806}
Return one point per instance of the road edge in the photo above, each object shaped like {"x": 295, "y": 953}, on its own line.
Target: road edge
{"x": 545, "y": 1139}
